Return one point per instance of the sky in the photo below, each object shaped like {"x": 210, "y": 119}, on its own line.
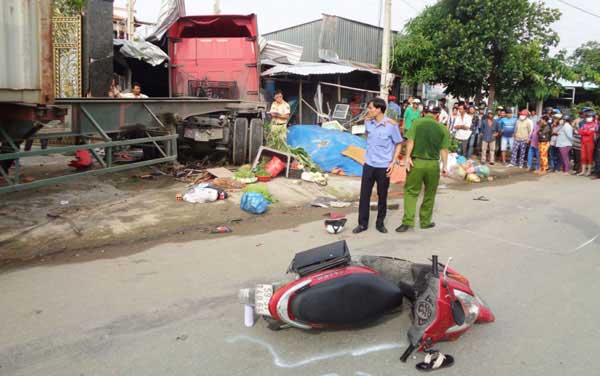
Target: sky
{"x": 574, "y": 28}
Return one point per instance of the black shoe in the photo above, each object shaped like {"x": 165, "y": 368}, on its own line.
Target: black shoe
{"x": 358, "y": 229}
{"x": 382, "y": 229}
{"x": 431, "y": 225}
{"x": 403, "y": 228}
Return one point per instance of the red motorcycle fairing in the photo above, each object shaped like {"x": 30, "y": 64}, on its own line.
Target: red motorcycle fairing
{"x": 445, "y": 326}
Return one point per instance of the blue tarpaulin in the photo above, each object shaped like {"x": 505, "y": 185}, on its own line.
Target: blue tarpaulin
{"x": 326, "y": 146}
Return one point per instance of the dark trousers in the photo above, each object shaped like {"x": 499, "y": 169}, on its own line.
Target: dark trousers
{"x": 29, "y": 143}
{"x": 370, "y": 176}
{"x": 597, "y": 159}
{"x": 576, "y": 159}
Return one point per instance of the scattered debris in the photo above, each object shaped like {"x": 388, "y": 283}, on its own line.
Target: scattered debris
{"x": 64, "y": 202}
{"x": 481, "y": 198}
{"x": 340, "y": 204}
{"x": 228, "y": 184}
{"x": 322, "y": 202}
{"x": 334, "y": 215}
{"x": 395, "y": 206}
{"x": 75, "y": 228}
{"x": 315, "y": 177}
{"x": 182, "y": 337}
{"x": 221, "y": 230}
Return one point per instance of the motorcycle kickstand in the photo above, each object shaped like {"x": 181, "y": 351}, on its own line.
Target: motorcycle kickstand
{"x": 275, "y": 325}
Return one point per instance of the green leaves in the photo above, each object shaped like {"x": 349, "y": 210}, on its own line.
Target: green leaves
{"x": 492, "y": 46}
{"x": 585, "y": 62}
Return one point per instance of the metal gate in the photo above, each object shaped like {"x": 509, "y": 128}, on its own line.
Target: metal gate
{"x": 66, "y": 38}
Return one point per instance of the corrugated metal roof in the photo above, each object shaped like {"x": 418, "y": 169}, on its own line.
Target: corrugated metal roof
{"x": 280, "y": 52}
{"x": 343, "y": 38}
{"x": 359, "y": 42}
{"x": 305, "y": 35}
{"x": 308, "y": 69}
{"x": 304, "y": 68}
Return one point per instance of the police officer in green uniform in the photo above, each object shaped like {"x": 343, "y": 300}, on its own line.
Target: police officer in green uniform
{"x": 427, "y": 141}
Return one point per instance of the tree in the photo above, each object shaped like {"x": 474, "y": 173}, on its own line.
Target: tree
{"x": 499, "y": 47}
{"x": 585, "y": 62}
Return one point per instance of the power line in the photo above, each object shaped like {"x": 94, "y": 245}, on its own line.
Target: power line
{"x": 579, "y": 9}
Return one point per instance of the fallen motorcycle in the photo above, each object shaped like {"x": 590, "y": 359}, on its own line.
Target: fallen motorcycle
{"x": 329, "y": 289}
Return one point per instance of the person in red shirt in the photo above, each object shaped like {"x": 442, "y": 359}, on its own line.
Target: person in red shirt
{"x": 588, "y": 132}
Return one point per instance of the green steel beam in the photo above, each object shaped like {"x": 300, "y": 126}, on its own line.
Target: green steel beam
{"x": 66, "y": 149}
{"x": 9, "y": 139}
{"x": 94, "y": 123}
{"x": 59, "y": 179}
{"x": 154, "y": 116}
{"x": 156, "y": 145}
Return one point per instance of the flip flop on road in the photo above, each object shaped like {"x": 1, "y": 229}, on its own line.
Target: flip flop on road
{"x": 435, "y": 360}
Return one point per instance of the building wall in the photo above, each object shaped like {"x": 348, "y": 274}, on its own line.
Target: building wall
{"x": 306, "y": 35}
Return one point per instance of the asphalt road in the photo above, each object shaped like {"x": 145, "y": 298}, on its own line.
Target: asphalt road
{"x": 532, "y": 251}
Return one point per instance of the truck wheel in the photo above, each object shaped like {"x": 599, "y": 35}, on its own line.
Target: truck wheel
{"x": 256, "y": 138}
{"x": 239, "y": 149}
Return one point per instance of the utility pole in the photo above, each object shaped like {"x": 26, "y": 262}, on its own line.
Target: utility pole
{"x": 385, "y": 52}
{"x": 217, "y": 7}
{"x": 130, "y": 19}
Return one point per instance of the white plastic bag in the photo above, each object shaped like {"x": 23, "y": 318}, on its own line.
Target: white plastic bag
{"x": 201, "y": 194}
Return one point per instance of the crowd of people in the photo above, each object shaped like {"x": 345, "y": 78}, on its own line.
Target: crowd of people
{"x": 548, "y": 143}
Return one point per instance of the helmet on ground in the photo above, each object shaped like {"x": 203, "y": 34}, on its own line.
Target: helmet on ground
{"x": 335, "y": 226}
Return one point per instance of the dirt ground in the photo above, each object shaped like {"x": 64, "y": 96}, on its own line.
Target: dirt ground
{"x": 119, "y": 214}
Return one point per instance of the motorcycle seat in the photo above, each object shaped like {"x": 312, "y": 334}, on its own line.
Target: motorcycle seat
{"x": 348, "y": 300}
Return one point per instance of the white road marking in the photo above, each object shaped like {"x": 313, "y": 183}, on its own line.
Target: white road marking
{"x": 279, "y": 362}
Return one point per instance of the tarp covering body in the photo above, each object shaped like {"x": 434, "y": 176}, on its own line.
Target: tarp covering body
{"x": 326, "y": 146}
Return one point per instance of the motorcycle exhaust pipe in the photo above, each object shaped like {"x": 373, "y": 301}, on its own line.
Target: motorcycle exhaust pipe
{"x": 409, "y": 350}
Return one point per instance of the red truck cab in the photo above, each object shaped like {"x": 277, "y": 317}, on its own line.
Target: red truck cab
{"x": 215, "y": 56}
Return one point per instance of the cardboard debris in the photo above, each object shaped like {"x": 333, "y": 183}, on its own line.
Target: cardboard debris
{"x": 356, "y": 153}
{"x": 220, "y": 172}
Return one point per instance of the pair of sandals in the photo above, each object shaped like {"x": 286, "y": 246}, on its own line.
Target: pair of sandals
{"x": 435, "y": 360}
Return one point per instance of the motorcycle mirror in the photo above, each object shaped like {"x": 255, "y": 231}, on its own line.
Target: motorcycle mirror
{"x": 458, "y": 313}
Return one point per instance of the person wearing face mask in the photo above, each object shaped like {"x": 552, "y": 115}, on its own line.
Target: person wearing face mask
{"x": 521, "y": 136}
{"x": 587, "y": 132}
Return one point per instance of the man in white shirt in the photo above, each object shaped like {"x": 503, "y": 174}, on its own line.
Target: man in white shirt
{"x": 462, "y": 126}
{"x": 280, "y": 112}
{"x": 136, "y": 92}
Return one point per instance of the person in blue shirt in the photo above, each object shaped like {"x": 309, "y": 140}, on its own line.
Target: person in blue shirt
{"x": 507, "y": 125}
{"x": 383, "y": 148}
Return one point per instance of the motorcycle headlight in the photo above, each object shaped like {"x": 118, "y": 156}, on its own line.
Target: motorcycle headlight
{"x": 471, "y": 308}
